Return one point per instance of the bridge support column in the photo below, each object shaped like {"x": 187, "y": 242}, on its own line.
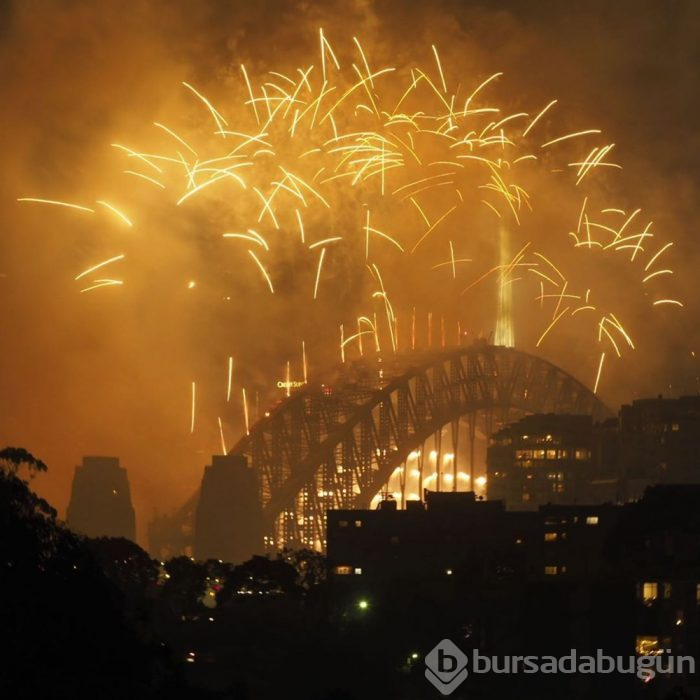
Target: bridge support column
{"x": 438, "y": 459}
{"x": 421, "y": 454}
{"x": 455, "y": 450}
{"x": 471, "y": 421}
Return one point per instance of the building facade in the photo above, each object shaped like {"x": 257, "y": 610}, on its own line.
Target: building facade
{"x": 100, "y": 503}
{"x": 228, "y": 520}
{"x": 622, "y": 579}
{"x": 569, "y": 459}
{"x": 548, "y": 459}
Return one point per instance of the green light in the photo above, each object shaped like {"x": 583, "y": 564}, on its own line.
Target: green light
{"x": 363, "y": 605}
{"x": 414, "y": 655}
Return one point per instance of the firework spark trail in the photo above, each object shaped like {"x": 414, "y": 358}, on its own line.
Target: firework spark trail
{"x": 407, "y": 146}
{"x": 193, "y": 406}
{"x": 597, "y": 376}
{"x": 221, "y": 436}
{"x": 263, "y": 270}
{"x": 230, "y": 379}
{"x": 119, "y": 214}
{"x": 318, "y": 271}
{"x": 102, "y": 283}
{"x": 102, "y": 264}
{"x": 246, "y": 417}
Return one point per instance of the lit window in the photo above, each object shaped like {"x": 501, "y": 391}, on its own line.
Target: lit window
{"x": 551, "y": 570}
{"x": 358, "y": 523}
{"x": 342, "y": 523}
{"x": 519, "y": 540}
{"x": 650, "y": 591}
{"x": 358, "y": 571}
{"x": 675, "y": 427}
{"x": 592, "y": 520}
{"x": 550, "y": 536}
{"x": 551, "y": 454}
{"x": 667, "y": 590}
{"x": 647, "y": 645}
{"x": 448, "y": 572}
{"x": 583, "y": 454}
{"x": 343, "y": 570}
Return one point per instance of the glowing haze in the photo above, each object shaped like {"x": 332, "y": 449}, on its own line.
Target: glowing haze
{"x": 248, "y": 191}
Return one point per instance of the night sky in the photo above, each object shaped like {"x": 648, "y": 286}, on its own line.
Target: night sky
{"x": 110, "y": 371}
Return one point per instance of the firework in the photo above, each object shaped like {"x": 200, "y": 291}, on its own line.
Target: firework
{"x": 429, "y": 169}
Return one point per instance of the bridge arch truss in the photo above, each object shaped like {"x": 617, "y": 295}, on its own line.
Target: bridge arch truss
{"x": 335, "y": 446}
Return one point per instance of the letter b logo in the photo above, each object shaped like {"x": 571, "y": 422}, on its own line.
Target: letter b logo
{"x": 446, "y": 666}
{"x": 446, "y": 662}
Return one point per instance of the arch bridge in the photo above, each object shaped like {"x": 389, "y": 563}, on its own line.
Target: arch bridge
{"x": 335, "y": 445}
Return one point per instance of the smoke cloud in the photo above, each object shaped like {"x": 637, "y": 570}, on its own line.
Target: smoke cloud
{"x": 110, "y": 371}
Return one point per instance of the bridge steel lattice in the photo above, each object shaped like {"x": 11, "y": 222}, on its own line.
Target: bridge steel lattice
{"x": 335, "y": 446}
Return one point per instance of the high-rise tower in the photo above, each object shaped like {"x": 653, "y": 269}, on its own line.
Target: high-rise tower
{"x": 100, "y": 503}
{"x": 228, "y": 523}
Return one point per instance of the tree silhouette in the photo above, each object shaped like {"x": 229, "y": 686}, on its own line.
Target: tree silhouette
{"x": 310, "y": 566}
{"x": 63, "y": 620}
{"x": 12, "y": 459}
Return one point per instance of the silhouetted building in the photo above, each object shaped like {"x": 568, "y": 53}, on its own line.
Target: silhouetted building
{"x": 569, "y": 459}
{"x": 659, "y": 442}
{"x": 624, "y": 579}
{"x": 228, "y": 521}
{"x": 100, "y": 503}
{"x": 548, "y": 459}
{"x": 442, "y": 535}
